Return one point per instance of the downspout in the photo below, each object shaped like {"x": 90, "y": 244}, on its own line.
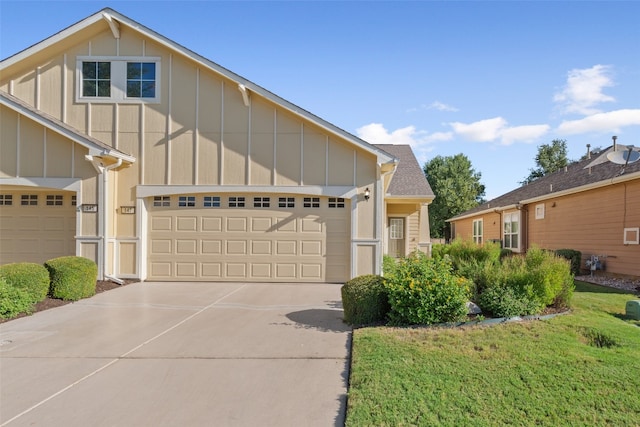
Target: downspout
{"x": 105, "y": 219}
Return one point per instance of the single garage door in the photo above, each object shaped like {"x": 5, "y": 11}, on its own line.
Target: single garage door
{"x": 36, "y": 225}
{"x": 265, "y": 238}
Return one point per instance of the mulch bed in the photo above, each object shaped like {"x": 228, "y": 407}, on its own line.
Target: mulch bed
{"x": 47, "y": 303}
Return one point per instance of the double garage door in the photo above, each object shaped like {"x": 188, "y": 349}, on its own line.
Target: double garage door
{"x": 36, "y": 226}
{"x": 248, "y": 238}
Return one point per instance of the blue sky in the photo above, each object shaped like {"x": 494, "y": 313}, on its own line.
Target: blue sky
{"x": 490, "y": 79}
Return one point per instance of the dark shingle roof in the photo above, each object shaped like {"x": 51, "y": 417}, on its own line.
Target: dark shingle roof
{"x": 573, "y": 176}
{"x": 408, "y": 179}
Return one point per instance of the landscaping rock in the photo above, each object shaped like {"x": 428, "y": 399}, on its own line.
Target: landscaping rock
{"x": 473, "y": 308}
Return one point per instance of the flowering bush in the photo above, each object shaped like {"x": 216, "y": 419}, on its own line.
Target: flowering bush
{"x": 424, "y": 290}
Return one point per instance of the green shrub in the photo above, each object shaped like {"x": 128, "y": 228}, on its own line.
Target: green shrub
{"x": 13, "y": 300}
{"x": 504, "y": 301}
{"x": 364, "y": 300}
{"x": 31, "y": 278}
{"x": 388, "y": 264}
{"x": 424, "y": 290}
{"x": 575, "y": 257}
{"x": 72, "y": 277}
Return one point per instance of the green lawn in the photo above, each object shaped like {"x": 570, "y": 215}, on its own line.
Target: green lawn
{"x": 580, "y": 369}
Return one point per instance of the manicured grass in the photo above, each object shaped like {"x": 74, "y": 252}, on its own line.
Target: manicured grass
{"x": 577, "y": 369}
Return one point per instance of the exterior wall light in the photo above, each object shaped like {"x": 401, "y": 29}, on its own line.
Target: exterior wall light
{"x": 128, "y": 210}
{"x": 367, "y": 194}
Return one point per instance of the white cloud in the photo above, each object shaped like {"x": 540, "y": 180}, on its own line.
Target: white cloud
{"x": 611, "y": 121}
{"x": 497, "y": 129}
{"x": 583, "y": 90}
{"x": 437, "y": 105}
{"x": 375, "y": 133}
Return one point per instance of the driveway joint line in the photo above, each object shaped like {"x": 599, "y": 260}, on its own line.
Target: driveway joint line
{"x": 123, "y": 356}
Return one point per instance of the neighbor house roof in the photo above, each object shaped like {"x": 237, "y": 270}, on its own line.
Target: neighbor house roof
{"x": 114, "y": 20}
{"x": 408, "y": 180}
{"x": 576, "y": 177}
{"x": 95, "y": 146}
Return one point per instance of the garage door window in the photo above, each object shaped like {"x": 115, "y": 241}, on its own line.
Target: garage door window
{"x": 261, "y": 202}
{"x": 6, "y": 200}
{"x": 336, "y": 202}
{"x": 162, "y": 201}
{"x": 287, "y": 202}
{"x": 211, "y": 201}
{"x": 54, "y": 199}
{"x": 29, "y": 200}
{"x": 186, "y": 201}
{"x": 236, "y": 202}
{"x": 311, "y": 202}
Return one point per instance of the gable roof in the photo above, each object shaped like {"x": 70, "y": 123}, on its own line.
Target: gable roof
{"x": 96, "y": 147}
{"x": 114, "y": 20}
{"x": 574, "y": 178}
{"x": 408, "y": 180}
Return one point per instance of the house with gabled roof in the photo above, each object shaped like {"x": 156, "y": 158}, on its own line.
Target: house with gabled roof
{"x": 592, "y": 206}
{"x": 122, "y": 146}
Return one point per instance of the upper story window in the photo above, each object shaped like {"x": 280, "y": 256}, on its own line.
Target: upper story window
{"x": 118, "y": 79}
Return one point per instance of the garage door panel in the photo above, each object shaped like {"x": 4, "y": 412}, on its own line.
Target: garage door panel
{"x": 236, "y": 224}
{"x": 252, "y": 243}
{"x": 261, "y": 247}
{"x": 29, "y": 223}
{"x": 211, "y": 247}
{"x": 54, "y": 224}
{"x": 186, "y": 246}
{"x": 211, "y": 224}
{"x": 160, "y": 223}
{"x": 186, "y": 223}
{"x": 236, "y": 247}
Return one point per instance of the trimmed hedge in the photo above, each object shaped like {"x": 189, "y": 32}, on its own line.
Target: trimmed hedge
{"x": 32, "y": 278}
{"x": 575, "y": 257}
{"x": 364, "y": 300}
{"x": 13, "y": 300}
{"x": 72, "y": 277}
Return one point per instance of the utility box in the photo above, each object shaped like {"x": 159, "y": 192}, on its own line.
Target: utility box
{"x": 633, "y": 309}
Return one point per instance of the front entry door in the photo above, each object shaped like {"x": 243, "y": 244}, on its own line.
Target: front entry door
{"x": 396, "y": 237}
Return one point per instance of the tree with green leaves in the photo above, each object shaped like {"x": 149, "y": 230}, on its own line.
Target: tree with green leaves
{"x": 457, "y": 188}
{"x": 550, "y": 158}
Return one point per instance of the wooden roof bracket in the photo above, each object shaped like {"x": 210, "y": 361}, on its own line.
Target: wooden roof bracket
{"x": 113, "y": 25}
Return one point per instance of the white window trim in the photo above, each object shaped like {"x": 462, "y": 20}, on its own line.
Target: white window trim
{"x": 631, "y": 236}
{"x": 118, "y": 79}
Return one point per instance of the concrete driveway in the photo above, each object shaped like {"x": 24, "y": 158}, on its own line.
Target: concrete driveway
{"x": 180, "y": 354}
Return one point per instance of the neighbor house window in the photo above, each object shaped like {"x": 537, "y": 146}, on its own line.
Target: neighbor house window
{"x": 162, "y": 201}
{"x": 211, "y": 201}
{"x": 29, "y": 200}
{"x": 236, "y": 202}
{"x": 118, "y": 79}
{"x": 511, "y": 225}
{"x": 477, "y": 231}
{"x": 540, "y": 211}
{"x": 6, "y": 200}
{"x": 261, "y": 202}
{"x": 311, "y": 202}
{"x": 186, "y": 201}
{"x": 54, "y": 199}
{"x": 336, "y": 202}
{"x": 286, "y": 202}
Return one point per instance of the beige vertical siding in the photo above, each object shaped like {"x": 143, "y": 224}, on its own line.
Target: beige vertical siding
{"x": 9, "y": 147}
